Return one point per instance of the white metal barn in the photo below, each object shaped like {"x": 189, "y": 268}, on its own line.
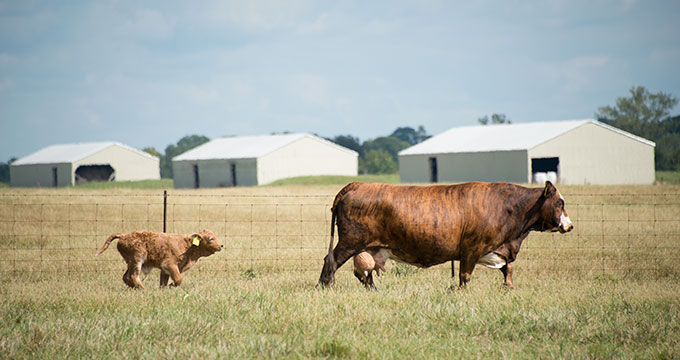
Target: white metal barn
{"x": 257, "y": 160}
{"x": 69, "y": 164}
{"x": 568, "y": 152}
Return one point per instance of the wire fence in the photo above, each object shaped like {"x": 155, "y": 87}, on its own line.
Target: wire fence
{"x": 629, "y": 234}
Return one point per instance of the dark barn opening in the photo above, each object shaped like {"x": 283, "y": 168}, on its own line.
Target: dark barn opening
{"x": 90, "y": 173}
{"x": 233, "y": 175}
{"x": 197, "y": 182}
{"x": 434, "y": 176}
{"x": 55, "y": 178}
{"x": 541, "y": 168}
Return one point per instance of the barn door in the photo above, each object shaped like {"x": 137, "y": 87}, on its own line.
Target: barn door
{"x": 233, "y": 175}
{"x": 543, "y": 169}
{"x": 434, "y": 176}
{"x": 197, "y": 182}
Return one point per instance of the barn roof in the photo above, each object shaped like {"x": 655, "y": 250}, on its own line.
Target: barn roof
{"x": 69, "y": 153}
{"x": 503, "y": 137}
{"x": 247, "y": 147}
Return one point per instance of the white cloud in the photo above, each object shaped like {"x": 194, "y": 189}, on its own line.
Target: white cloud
{"x": 319, "y": 25}
{"x": 575, "y": 74}
{"x": 199, "y": 95}
{"x": 148, "y": 24}
{"x": 628, "y": 4}
{"x": 255, "y": 15}
{"x": 665, "y": 56}
{"x": 381, "y": 26}
{"x": 6, "y": 84}
{"x": 6, "y": 59}
{"x": 311, "y": 89}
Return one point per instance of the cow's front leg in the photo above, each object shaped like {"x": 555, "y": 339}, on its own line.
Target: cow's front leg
{"x": 507, "y": 275}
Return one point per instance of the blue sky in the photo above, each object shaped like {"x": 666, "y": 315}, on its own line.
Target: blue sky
{"x": 146, "y": 73}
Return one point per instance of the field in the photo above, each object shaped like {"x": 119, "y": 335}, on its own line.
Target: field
{"x": 611, "y": 288}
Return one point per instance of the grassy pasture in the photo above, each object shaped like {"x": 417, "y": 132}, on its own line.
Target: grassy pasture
{"x": 608, "y": 289}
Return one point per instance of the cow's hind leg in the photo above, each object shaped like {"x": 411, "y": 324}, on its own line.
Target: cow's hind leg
{"x": 331, "y": 263}
{"x": 466, "y": 268}
{"x": 369, "y": 282}
{"x": 507, "y": 275}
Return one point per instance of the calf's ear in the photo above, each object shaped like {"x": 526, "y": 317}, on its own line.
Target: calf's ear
{"x": 195, "y": 239}
{"x": 549, "y": 190}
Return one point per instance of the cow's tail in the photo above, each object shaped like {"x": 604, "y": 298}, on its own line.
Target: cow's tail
{"x": 107, "y": 243}
{"x": 328, "y": 271}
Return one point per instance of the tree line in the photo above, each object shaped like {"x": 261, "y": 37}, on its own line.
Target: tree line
{"x": 376, "y": 156}
{"x": 643, "y": 114}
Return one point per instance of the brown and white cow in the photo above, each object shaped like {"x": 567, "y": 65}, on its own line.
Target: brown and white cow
{"x": 475, "y": 223}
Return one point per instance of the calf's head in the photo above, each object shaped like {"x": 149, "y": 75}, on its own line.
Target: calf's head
{"x": 206, "y": 241}
{"x": 553, "y": 215}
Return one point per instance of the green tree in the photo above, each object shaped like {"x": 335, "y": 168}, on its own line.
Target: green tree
{"x": 378, "y": 162}
{"x": 410, "y": 135}
{"x": 647, "y": 115}
{"x": 349, "y": 142}
{"x": 152, "y": 151}
{"x": 4, "y": 170}
{"x": 495, "y": 119}
{"x": 641, "y": 114}
{"x": 183, "y": 145}
{"x": 389, "y": 144}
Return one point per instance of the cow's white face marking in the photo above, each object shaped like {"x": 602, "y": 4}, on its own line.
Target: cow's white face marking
{"x": 565, "y": 222}
{"x": 491, "y": 260}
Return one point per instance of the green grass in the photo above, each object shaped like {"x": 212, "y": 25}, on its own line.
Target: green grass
{"x": 218, "y": 315}
{"x": 337, "y": 180}
{"x": 668, "y": 177}
{"x": 608, "y": 289}
{"x": 4, "y": 185}
{"x": 142, "y": 184}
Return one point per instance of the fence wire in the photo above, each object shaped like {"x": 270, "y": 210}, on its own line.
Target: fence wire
{"x": 629, "y": 234}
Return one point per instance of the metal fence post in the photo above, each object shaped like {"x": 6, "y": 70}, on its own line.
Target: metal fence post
{"x": 165, "y": 207}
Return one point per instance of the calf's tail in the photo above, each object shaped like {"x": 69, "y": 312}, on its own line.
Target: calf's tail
{"x": 107, "y": 243}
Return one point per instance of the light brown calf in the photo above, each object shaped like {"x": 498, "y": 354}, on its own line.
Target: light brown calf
{"x": 364, "y": 264}
{"x": 172, "y": 253}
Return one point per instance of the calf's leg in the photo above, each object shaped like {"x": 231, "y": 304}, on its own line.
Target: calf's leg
{"x": 135, "y": 269}
{"x": 126, "y": 277}
{"x": 173, "y": 270}
{"x": 164, "y": 278}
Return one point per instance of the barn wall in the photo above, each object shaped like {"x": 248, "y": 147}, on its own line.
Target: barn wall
{"x": 510, "y": 166}
{"x": 128, "y": 165}
{"x": 214, "y": 173}
{"x": 591, "y": 154}
{"x": 306, "y": 157}
{"x": 40, "y": 175}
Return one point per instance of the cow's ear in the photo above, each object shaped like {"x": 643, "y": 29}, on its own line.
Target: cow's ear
{"x": 549, "y": 190}
{"x": 195, "y": 239}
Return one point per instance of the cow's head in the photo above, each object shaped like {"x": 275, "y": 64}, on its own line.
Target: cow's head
{"x": 206, "y": 241}
{"x": 553, "y": 215}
